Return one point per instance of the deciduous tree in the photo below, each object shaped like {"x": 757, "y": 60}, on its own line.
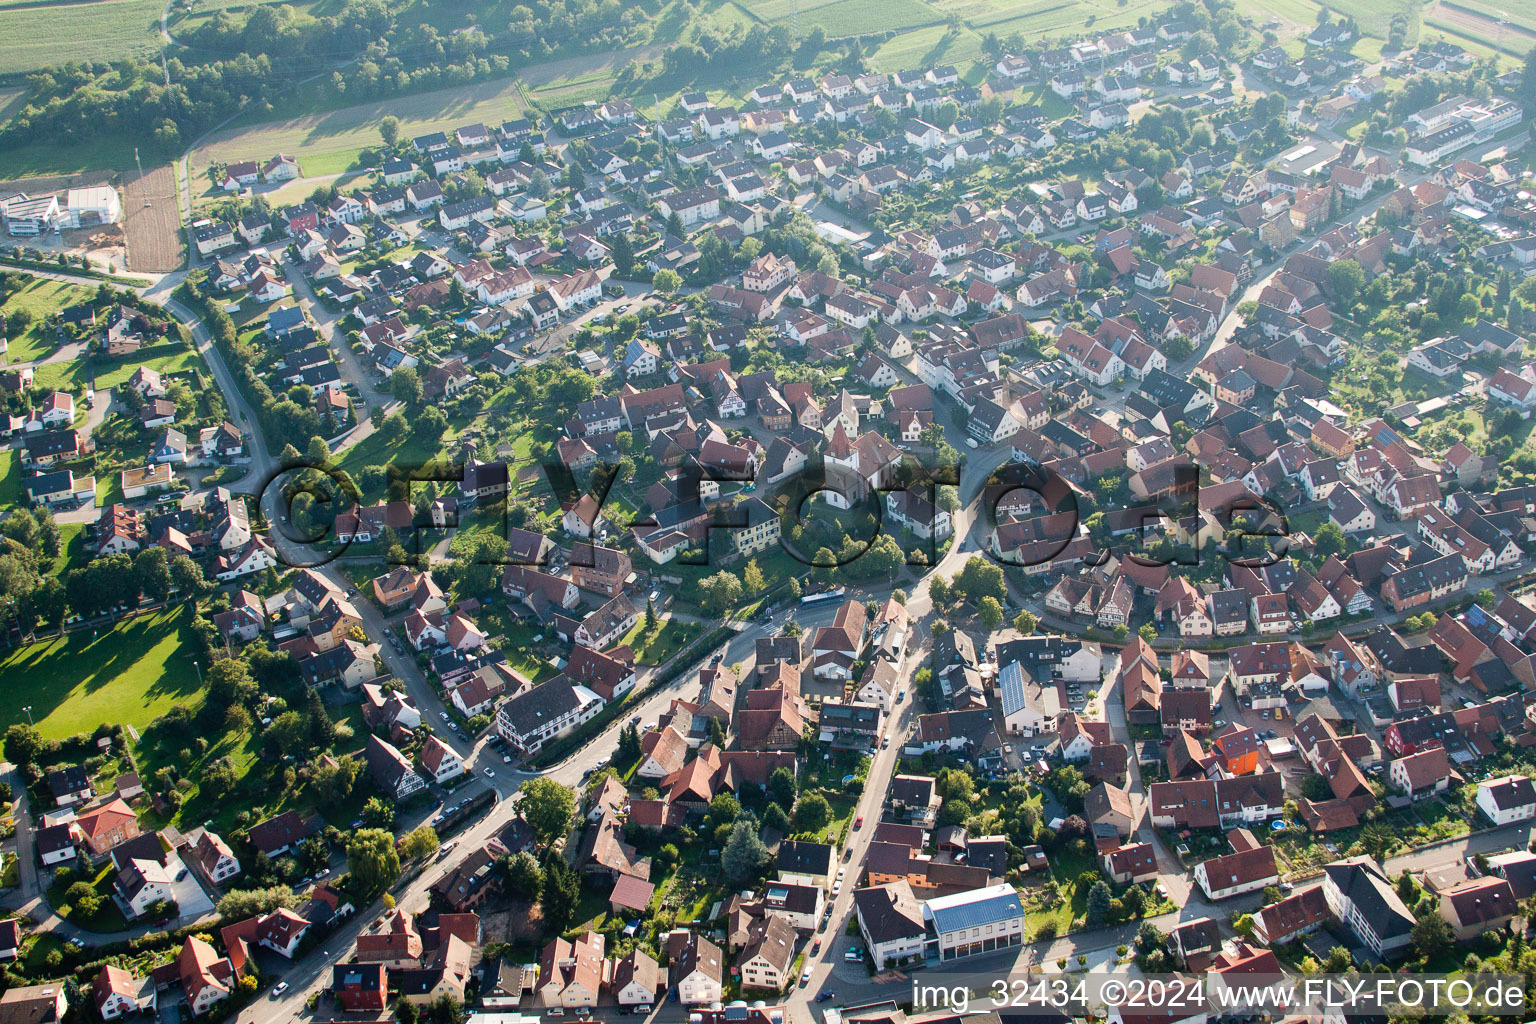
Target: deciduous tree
{"x": 548, "y": 808}
{"x": 372, "y": 860}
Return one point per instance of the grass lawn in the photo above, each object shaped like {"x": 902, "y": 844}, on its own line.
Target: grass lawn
{"x": 72, "y": 553}
{"x": 414, "y": 450}
{"x": 196, "y": 808}
{"x": 170, "y": 356}
{"x": 843, "y": 805}
{"x": 35, "y": 957}
{"x": 660, "y": 643}
{"x": 1073, "y": 904}
{"x": 39, "y": 298}
{"x": 523, "y": 655}
{"x": 593, "y": 912}
{"x": 849, "y": 17}
{"x": 10, "y": 478}
{"x": 109, "y": 489}
{"x": 108, "y": 918}
{"x": 132, "y": 674}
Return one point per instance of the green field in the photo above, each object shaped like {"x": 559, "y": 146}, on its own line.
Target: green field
{"x": 157, "y": 752}
{"x": 1053, "y": 16}
{"x": 103, "y": 154}
{"x": 372, "y": 451}
{"x": 932, "y": 45}
{"x": 652, "y": 647}
{"x": 328, "y": 142}
{"x": 40, "y": 298}
{"x": 38, "y": 34}
{"x": 131, "y": 675}
{"x": 1374, "y": 16}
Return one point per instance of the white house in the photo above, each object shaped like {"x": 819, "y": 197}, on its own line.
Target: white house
{"x": 698, "y": 970}
{"x": 440, "y": 761}
{"x": 891, "y": 922}
{"x": 1029, "y": 707}
{"x": 976, "y": 921}
{"x": 1237, "y": 873}
{"x": 1507, "y": 799}
{"x": 1360, "y": 895}
{"x": 546, "y": 712}
{"x": 141, "y": 885}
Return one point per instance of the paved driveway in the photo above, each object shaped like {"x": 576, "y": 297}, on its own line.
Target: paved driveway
{"x": 190, "y": 898}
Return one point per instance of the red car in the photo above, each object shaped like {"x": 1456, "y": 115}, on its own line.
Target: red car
{"x": 858, "y": 822}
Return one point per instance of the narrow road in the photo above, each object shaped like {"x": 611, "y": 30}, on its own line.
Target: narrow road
{"x": 328, "y": 326}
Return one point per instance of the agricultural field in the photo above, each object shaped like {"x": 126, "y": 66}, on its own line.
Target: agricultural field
{"x": 1519, "y": 19}
{"x": 131, "y": 674}
{"x": 934, "y": 45}
{"x": 847, "y": 17}
{"x": 37, "y": 33}
{"x": 1373, "y": 16}
{"x": 1483, "y": 26}
{"x": 328, "y": 142}
{"x": 152, "y": 220}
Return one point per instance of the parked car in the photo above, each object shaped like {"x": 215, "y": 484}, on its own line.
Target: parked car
{"x": 854, "y": 955}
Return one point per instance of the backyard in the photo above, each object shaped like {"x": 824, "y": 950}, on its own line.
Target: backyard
{"x": 38, "y": 299}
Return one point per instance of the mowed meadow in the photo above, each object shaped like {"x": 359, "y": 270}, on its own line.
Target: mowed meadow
{"x": 38, "y": 33}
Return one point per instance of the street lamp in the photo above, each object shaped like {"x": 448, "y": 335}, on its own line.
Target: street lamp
{"x": 28, "y": 710}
